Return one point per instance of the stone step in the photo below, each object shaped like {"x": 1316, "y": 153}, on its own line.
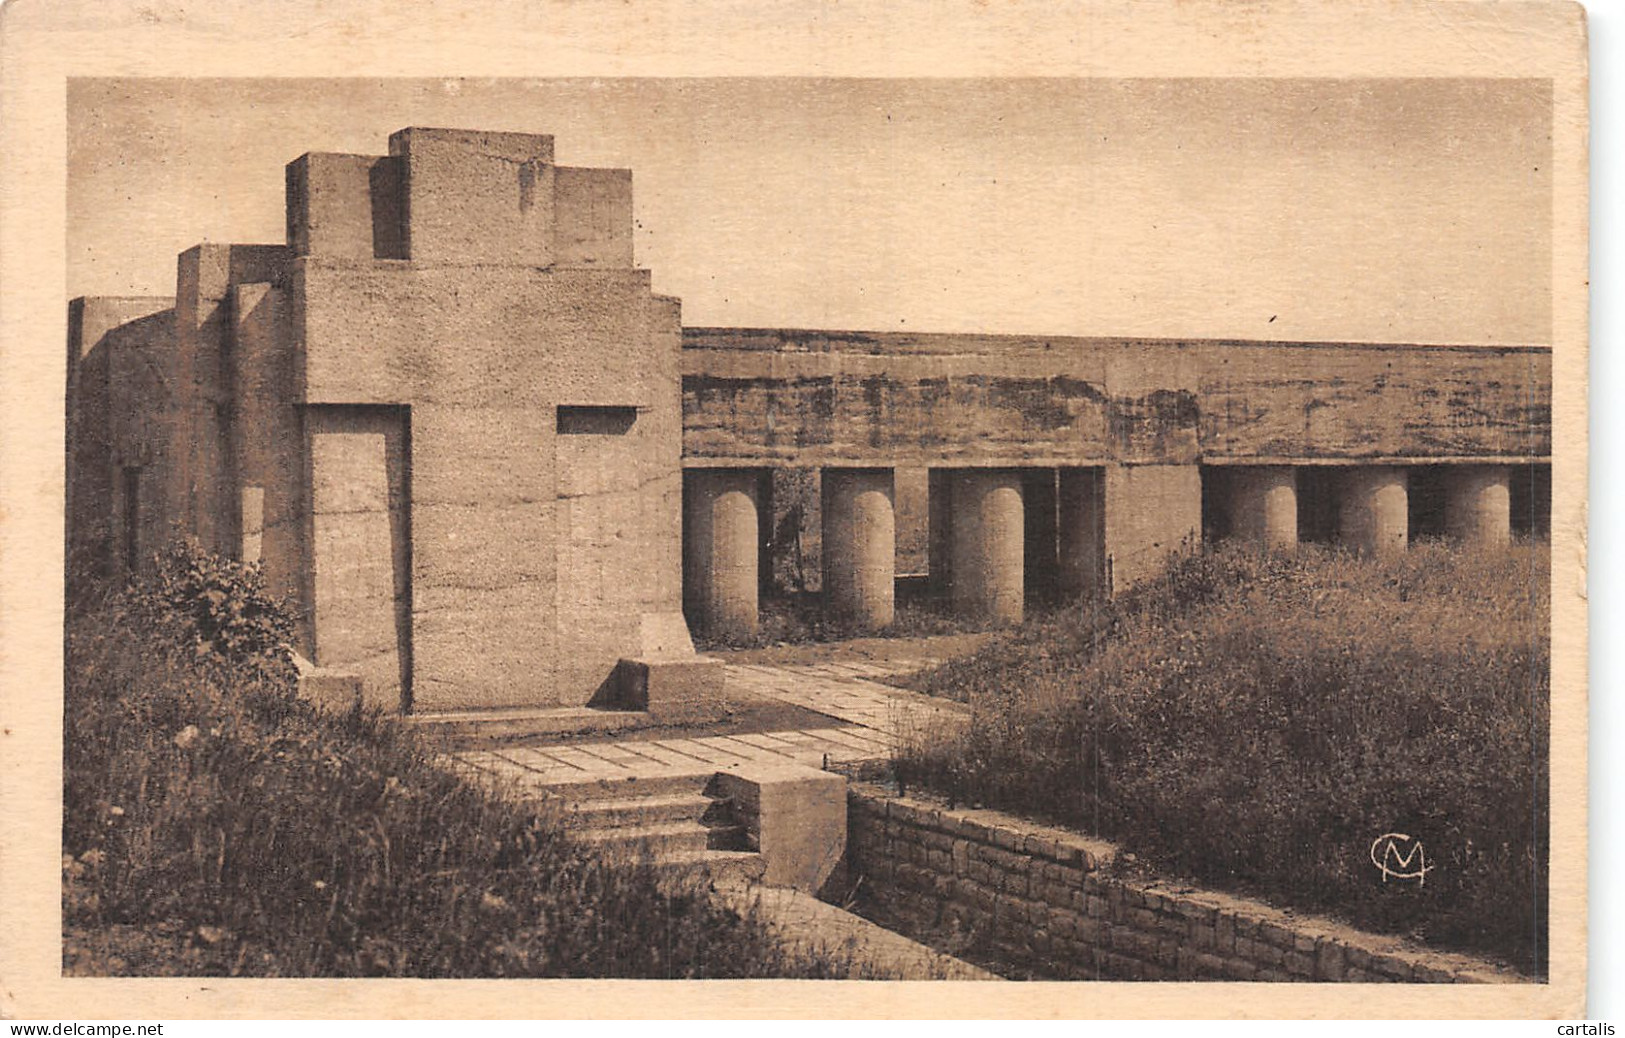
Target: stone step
{"x": 652, "y": 809}
{"x": 729, "y": 837}
{"x": 468, "y": 729}
{"x": 598, "y": 789}
{"x": 659, "y": 842}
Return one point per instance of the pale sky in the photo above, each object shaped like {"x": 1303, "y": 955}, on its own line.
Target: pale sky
{"x": 1358, "y": 210}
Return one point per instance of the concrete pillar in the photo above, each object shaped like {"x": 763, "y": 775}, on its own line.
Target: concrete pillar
{"x": 987, "y": 545}
{"x": 1262, "y": 502}
{"x": 1082, "y": 533}
{"x": 720, "y": 542}
{"x": 860, "y": 545}
{"x": 1373, "y": 509}
{"x": 1478, "y": 503}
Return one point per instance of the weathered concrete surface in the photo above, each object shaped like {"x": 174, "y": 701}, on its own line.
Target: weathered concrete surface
{"x": 1478, "y": 503}
{"x": 806, "y": 397}
{"x": 673, "y": 690}
{"x": 522, "y": 550}
{"x": 721, "y": 540}
{"x": 521, "y": 518}
{"x": 593, "y": 208}
{"x": 1152, "y": 511}
{"x": 987, "y": 544}
{"x": 337, "y": 691}
{"x": 1260, "y": 503}
{"x": 268, "y": 446}
{"x": 477, "y": 197}
{"x": 794, "y": 816}
{"x": 1372, "y": 508}
{"x": 120, "y": 350}
{"x": 860, "y": 546}
{"x": 360, "y": 548}
{"x": 202, "y": 490}
{"x": 535, "y": 552}
{"x": 347, "y": 206}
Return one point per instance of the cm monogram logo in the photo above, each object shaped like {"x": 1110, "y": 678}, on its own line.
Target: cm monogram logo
{"x": 1401, "y": 857}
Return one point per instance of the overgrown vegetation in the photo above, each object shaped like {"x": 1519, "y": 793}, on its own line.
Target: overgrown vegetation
{"x": 1255, "y": 720}
{"x": 216, "y": 825}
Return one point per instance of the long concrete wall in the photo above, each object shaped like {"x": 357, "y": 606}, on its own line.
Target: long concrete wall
{"x": 767, "y": 396}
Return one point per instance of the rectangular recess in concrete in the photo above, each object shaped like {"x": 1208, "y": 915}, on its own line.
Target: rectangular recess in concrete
{"x": 593, "y": 420}
{"x": 360, "y": 466}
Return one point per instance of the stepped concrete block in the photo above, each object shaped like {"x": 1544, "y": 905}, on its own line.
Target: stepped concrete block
{"x": 794, "y": 816}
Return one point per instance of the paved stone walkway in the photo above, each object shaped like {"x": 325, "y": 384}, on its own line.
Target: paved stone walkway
{"x": 848, "y": 692}
{"x": 866, "y": 720}
{"x": 870, "y": 717}
{"x": 647, "y": 759}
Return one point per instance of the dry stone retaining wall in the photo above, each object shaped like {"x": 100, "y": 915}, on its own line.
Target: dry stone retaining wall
{"x": 1045, "y": 899}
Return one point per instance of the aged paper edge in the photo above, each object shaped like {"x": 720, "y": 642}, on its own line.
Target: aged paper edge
{"x": 42, "y": 44}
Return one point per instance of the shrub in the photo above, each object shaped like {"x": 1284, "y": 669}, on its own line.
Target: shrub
{"x": 1255, "y": 720}
{"x": 215, "y": 608}
{"x": 216, "y": 825}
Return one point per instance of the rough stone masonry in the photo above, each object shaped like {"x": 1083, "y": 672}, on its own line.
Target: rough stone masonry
{"x": 490, "y": 468}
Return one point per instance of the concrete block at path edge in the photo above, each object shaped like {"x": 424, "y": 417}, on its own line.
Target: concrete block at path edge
{"x": 677, "y": 689}
{"x": 795, "y": 816}
{"x": 332, "y": 690}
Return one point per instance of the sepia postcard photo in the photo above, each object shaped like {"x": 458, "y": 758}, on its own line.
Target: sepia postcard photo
{"x": 1079, "y": 509}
